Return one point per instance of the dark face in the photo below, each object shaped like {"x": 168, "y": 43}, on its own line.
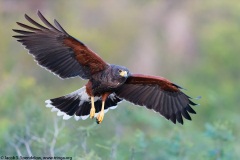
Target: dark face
{"x": 120, "y": 74}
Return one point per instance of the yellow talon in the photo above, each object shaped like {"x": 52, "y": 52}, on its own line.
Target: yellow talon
{"x": 100, "y": 117}
{"x": 101, "y": 114}
{"x": 92, "y": 111}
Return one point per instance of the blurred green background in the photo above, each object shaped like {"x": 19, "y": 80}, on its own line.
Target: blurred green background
{"x": 193, "y": 43}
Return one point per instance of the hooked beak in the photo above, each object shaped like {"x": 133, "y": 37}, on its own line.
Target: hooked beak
{"x": 123, "y": 74}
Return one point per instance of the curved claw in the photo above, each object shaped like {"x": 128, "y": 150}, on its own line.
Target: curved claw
{"x": 101, "y": 114}
{"x": 100, "y": 117}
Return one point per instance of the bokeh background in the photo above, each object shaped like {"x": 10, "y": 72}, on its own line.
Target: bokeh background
{"x": 193, "y": 43}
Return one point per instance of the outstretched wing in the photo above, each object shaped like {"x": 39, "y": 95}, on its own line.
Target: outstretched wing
{"x": 158, "y": 94}
{"x": 54, "y": 49}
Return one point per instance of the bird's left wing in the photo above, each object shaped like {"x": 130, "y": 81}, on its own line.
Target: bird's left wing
{"x": 159, "y": 94}
{"x": 54, "y": 49}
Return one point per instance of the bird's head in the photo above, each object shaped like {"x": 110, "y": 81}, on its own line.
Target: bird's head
{"x": 120, "y": 73}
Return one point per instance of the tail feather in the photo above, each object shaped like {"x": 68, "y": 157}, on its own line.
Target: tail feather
{"x": 78, "y": 104}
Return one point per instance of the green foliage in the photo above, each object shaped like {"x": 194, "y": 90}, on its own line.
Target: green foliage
{"x": 221, "y": 138}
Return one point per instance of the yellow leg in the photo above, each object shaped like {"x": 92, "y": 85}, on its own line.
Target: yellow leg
{"x": 101, "y": 114}
{"x": 92, "y": 111}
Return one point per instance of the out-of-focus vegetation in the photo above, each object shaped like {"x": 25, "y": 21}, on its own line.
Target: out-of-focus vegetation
{"x": 193, "y": 43}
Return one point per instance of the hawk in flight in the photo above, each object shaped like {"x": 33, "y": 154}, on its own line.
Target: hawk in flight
{"x": 108, "y": 84}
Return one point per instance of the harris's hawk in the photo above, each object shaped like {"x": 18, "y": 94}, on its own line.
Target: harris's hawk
{"x": 108, "y": 84}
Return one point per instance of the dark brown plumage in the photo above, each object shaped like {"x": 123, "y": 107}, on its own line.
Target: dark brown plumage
{"x": 54, "y": 49}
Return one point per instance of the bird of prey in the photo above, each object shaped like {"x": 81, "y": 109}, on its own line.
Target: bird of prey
{"x": 108, "y": 84}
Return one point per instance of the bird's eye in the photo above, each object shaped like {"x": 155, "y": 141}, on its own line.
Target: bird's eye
{"x": 119, "y": 71}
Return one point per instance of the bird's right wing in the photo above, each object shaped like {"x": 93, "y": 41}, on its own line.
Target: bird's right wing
{"x": 159, "y": 94}
{"x": 54, "y": 49}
